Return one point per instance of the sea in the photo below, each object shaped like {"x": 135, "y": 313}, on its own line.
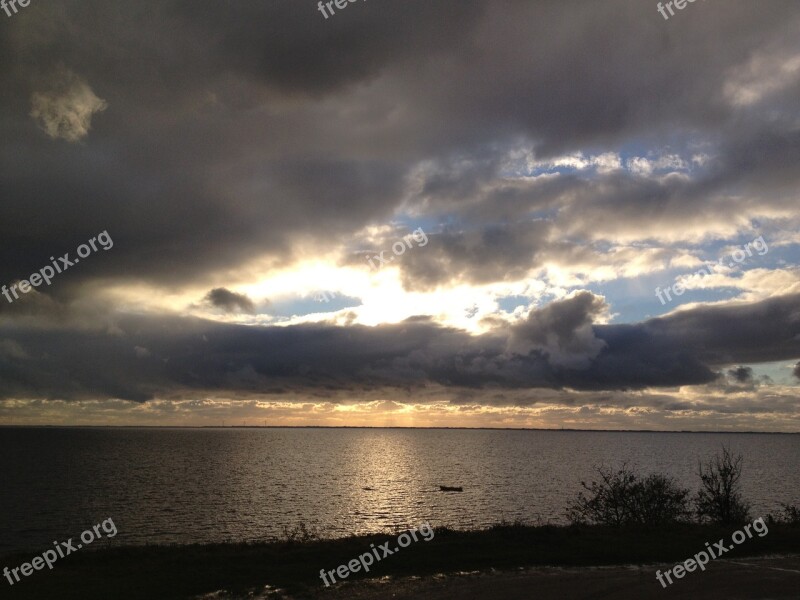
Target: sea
{"x": 202, "y": 485}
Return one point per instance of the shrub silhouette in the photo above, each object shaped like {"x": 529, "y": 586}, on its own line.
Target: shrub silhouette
{"x": 791, "y": 514}
{"x": 623, "y": 497}
{"x": 719, "y": 500}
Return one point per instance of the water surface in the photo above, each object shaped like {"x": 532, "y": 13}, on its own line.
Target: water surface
{"x": 208, "y": 485}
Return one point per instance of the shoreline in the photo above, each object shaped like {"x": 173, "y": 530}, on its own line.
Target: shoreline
{"x": 293, "y": 565}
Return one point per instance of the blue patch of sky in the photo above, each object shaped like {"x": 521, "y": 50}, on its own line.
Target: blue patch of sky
{"x": 429, "y": 223}
{"x": 779, "y": 372}
{"x": 316, "y": 303}
{"x": 509, "y": 303}
{"x": 635, "y": 300}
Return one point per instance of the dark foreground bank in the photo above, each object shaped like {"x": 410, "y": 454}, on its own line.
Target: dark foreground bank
{"x": 754, "y": 578}
{"x": 293, "y": 566}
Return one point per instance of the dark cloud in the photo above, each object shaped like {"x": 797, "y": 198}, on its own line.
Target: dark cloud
{"x": 493, "y": 253}
{"x": 741, "y": 333}
{"x": 555, "y": 348}
{"x": 229, "y": 301}
{"x": 230, "y": 130}
{"x": 564, "y": 330}
{"x": 291, "y": 46}
{"x": 741, "y": 374}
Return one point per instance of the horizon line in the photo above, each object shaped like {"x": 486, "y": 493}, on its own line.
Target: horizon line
{"x": 564, "y": 429}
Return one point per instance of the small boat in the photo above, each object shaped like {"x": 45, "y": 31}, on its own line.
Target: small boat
{"x": 444, "y": 488}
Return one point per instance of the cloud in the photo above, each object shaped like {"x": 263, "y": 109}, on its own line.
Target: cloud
{"x": 297, "y": 131}
{"x": 66, "y": 108}
{"x": 563, "y": 331}
{"x": 563, "y": 351}
{"x": 741, "y": 374}
{"x": 229, "y": 301}
{"x": 492, "y": 253}
{"x": 756, "y": 410}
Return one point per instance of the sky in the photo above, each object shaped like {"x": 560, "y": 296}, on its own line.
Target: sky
{"x": 555, "y": 214}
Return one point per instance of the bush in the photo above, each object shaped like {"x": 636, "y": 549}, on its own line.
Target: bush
{"x": 301, "y": 534}
{"x": 624, "y": 498}
{"x": 791, "y": 514}
{"x": 720, "y": 499}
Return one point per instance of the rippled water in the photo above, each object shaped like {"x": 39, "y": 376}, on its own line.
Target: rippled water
{"x": 205, "y": 485}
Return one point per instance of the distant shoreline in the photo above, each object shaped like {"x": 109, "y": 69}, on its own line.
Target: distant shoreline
{"x": 564, "y": 430}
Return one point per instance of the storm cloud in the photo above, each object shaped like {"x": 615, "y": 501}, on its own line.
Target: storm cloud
{"x": 557, "y": 347}
{"x": 269, "y": 84}
{"x": 229, "y": 301}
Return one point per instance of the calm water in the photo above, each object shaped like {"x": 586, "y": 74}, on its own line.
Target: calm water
{"x": 196, "y": 485}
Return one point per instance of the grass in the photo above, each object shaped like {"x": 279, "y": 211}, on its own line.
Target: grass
{"x": 167, "y": 572}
